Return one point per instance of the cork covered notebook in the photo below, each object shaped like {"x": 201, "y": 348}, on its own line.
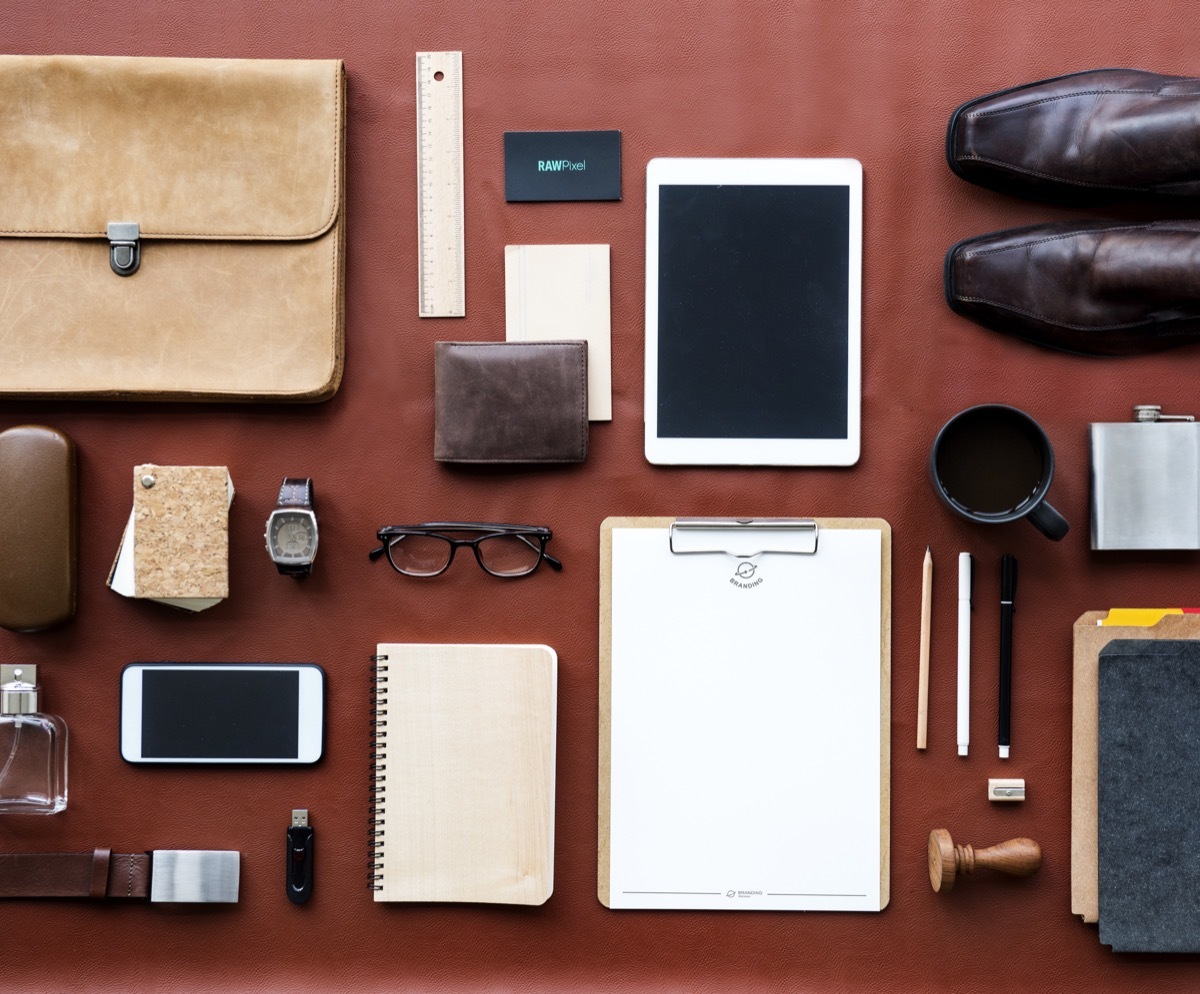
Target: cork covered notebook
{"x": 463, "y": 800}
{"x": 176, "y": 545}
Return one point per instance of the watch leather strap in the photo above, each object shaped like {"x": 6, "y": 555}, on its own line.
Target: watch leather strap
{"x": 296, "y": 491}
{"x": 97, "y": 875}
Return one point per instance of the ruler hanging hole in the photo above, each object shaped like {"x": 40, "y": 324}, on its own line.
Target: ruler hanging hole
{"x": 439, "y": 75}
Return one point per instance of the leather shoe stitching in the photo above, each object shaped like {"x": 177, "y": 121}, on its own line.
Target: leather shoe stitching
{"x": 1049, "y": 100}
{"x": 1052, "y": 176}
{"x": 1054, "y": 321}
{"x": 1153, "y": 226}
{"x": 1066, "y": 180}
{"x": 969, "y": 254}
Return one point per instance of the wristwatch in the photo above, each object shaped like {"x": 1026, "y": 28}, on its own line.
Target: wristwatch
{"x": 291, "y": 534}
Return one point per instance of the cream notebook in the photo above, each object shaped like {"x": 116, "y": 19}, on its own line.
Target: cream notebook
{"x": 556, "y": 292}
{"x": 463, "y": 805}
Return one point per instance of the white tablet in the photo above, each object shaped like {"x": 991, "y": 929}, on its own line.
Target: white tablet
{"x": 753, "y": 311}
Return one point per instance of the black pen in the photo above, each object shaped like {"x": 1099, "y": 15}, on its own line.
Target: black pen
{"x": 1008, "y": 591}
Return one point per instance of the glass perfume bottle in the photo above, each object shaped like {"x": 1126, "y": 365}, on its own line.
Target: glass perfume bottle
{"x": 33, "y": 748}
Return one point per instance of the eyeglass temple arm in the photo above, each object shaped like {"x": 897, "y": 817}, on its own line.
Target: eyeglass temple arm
{"x": 550, "y": 560}
{"x": 376, "y": 553}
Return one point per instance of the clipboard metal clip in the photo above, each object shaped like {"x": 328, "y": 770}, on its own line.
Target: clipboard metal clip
{"x": 743, "y": 538}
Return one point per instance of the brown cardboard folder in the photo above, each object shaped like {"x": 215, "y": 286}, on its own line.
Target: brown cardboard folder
{"x": 1089, "y": 638}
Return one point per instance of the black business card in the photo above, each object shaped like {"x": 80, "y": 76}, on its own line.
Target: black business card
{"x": 562, "y": 165}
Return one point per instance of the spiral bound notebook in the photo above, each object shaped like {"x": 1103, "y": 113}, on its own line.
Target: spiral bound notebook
{"x": 463, "y": 788}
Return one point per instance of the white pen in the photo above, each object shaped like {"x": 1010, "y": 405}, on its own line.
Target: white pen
{"x": 965, "y": 571}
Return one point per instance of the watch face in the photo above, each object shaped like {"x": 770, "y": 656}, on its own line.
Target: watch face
{"x": 292, "y": 536}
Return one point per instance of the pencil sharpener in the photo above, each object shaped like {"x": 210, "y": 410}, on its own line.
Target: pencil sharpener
{"x": 1146, "y": 482}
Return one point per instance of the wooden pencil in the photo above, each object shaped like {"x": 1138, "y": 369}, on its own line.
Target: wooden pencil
{"x": 923, "y": 684}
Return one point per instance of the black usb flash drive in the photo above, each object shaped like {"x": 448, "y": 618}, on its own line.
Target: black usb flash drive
{"x": 299, "y": 858}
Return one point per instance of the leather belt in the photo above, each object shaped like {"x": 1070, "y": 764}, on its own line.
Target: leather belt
{"x": 168, "y": 875}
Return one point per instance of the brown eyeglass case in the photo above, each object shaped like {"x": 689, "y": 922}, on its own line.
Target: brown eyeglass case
{"x": 510, "y": 402}
{"x": 38, "y": 532}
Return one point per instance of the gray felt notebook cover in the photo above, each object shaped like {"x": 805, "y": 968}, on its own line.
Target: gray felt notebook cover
{"x": 1149, "y": 730}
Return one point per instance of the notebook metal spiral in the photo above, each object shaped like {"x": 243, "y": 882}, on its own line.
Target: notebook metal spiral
{"x": 378, "y": 786}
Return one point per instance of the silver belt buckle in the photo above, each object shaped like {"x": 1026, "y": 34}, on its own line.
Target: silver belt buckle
{"x": 194, "y": 876}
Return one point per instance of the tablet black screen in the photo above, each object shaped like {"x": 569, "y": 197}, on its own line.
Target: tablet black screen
{"x": 752, "y": 311}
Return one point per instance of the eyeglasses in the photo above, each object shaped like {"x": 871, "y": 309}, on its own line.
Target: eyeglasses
{"x": 428, "y": 549}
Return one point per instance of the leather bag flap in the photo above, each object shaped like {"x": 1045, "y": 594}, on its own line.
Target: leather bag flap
{"x": 186, "y": 148}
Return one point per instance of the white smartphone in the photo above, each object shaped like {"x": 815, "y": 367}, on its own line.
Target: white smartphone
{"x": 222, "y": 712}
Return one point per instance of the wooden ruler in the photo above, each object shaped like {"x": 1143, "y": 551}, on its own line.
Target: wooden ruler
{"x": 441, "y": 258}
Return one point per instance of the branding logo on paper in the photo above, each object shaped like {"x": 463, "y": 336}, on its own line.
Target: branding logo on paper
{"x": 561, "y": 166}
{"x": 743, "y": 893}
{"x": 744, "y": 577}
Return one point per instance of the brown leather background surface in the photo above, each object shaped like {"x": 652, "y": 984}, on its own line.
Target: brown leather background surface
{"x": 858, "y": 78}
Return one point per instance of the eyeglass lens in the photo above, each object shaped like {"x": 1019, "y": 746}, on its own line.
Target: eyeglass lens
{"x": 419, "y": 555}
{"x": 509, "y": 555}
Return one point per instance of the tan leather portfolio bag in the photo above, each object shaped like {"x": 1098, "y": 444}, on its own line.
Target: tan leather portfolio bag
{"x": 171, "y": 229}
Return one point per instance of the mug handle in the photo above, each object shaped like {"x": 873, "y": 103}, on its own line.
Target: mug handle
{"x": 1049, "y": 522}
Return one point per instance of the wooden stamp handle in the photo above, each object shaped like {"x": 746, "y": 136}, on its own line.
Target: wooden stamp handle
{"x": 1016, "y": 857}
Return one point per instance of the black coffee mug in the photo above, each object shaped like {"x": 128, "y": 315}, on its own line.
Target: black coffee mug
{"x": 992, "y": 464}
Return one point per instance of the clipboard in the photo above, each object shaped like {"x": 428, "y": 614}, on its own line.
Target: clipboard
{"x": 745, "y": 714}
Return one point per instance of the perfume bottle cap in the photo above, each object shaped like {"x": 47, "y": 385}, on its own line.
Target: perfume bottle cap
{"x": 18, "y": 689}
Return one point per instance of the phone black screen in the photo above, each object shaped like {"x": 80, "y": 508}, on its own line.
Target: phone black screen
{"x": 220, "y": 714}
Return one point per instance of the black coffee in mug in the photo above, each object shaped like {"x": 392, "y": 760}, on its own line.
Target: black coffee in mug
{"x": 993, "y": 463}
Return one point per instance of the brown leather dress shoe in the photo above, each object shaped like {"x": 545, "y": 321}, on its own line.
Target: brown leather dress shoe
{"x": 1093, "y": 287}
{"x": 1102, "y": 135}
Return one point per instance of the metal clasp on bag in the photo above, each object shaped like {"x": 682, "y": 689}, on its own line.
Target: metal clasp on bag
{"x": 124, "y": 249}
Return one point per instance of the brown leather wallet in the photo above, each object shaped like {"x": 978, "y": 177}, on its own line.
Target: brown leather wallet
{"x": 510, "y": 402}
{"x": 38, "y": 532}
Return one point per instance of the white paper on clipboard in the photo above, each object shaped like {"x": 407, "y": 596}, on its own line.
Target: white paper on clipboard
{"x": 746, "y": 733}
